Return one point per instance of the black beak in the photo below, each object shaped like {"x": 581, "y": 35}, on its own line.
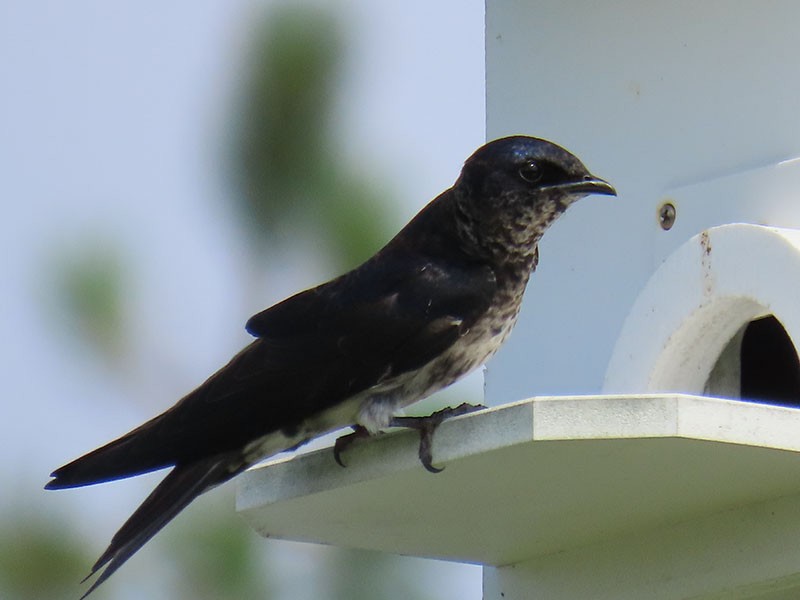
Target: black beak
{"x": 588, "y": 185}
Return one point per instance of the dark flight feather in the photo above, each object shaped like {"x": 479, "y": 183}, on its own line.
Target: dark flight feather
{"x": 172, "y": 495}
{"x": 314, "y": 349}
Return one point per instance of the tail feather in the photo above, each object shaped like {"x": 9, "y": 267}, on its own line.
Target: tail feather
{"x": 183, "y": 484}
{"x": 135, "y": 453}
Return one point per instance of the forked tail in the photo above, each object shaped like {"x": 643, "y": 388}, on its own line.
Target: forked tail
{"x": 183, "y": 484}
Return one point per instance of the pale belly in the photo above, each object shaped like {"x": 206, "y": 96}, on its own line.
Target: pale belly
{"x": 374, "y": 408}
{"x": 378, "y": 405}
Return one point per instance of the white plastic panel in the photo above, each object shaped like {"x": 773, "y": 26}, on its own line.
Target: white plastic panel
{"x": 695, "y": 302}
{"x": 695, "y": 101}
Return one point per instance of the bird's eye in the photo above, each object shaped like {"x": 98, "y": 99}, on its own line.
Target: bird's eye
{"x": 531, "y": 171}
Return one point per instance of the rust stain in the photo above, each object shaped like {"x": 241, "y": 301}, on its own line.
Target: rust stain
{"x": 705, "y": 243}
{"x": 705, "y": 260}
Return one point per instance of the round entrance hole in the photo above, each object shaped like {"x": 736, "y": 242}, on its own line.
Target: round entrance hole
{"x": 758, "y": 364}
{"x": 770, "y": 369}
{"x": 719, "y": 317}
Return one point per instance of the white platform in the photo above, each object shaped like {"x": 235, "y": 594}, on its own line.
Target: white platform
{"x": 549, "y": 477}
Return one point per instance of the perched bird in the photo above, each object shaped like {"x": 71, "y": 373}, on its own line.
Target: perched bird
{"x": 435, "y": 303}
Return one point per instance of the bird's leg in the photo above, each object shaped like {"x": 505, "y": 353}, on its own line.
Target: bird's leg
{"x": 427, "y": 425}
{"x": 343, "y": 442}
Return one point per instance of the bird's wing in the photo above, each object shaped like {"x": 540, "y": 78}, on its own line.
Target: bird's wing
{"x": 313, "y": 351}
{"x": 393, "y": 318}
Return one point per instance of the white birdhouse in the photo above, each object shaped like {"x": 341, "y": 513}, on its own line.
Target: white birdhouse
{"x": 657, "y": 454}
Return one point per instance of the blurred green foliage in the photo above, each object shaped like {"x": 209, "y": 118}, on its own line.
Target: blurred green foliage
{"x": 281, "y": 147}
{"x": 215, "y": 555}
{"x": 89, "y": 287}
{"x": 40, "y": 557}
{"x": 285, "y": 160}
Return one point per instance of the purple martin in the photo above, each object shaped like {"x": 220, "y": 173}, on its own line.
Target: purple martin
{"x": 432, "y": 305}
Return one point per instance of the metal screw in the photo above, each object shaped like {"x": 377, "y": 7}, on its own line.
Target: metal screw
{"x": 666, "y": 215}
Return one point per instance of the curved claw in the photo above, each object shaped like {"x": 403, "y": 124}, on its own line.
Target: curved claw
{"x": 343, "y": 442}
{"x": 426, "y": 448}
{"x": 427, "y": 426}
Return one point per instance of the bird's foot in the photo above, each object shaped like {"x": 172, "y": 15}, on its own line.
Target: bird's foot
{"x": 427, "y": 425}
{"x": 343, "y": 442}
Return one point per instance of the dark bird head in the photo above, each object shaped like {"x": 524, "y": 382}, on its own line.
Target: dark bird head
{"x": 510, "y": 190}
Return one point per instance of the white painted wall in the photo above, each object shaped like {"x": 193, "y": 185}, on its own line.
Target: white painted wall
{"x": 697, "y": 102}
